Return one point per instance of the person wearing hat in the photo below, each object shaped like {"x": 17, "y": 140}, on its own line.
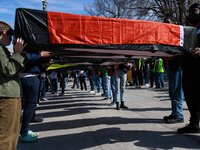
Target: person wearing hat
{"x": 82, "y": 80}
{"x": 190, "y": 64}
{"x": 10, "y": 87}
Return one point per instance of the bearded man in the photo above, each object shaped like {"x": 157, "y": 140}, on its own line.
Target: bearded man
{"x": 190, "y": 64}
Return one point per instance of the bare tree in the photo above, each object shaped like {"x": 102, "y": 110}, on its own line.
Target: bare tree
{"x": 111, "y": 8}
{"x": 153, "y": 10}
{"x": 156, "y": 10}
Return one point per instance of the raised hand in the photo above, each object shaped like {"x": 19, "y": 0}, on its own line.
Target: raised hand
{"x": 19, "y": 45}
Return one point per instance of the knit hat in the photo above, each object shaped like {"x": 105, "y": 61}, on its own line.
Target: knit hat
{"x": 195, "y": 5}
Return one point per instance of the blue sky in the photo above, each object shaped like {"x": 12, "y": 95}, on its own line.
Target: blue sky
{"x": 8, "y": 7}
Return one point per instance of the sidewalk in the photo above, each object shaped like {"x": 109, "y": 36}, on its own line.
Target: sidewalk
{"x": 80, "y": 120}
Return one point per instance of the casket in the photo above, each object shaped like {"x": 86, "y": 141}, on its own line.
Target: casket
{"x": 79, "y": 35}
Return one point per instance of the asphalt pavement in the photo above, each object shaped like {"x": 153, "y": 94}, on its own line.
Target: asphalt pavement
{"x": 80, "y": 120}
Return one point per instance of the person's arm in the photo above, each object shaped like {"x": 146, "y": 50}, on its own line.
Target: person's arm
{"x": 10, "y": 65}
{"x": 32, "y": 57}
{"x": 46, "y": 54}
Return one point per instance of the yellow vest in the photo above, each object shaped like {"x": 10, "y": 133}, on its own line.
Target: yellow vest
{"x": 160, "y": 66}
{"x": 139, "y": 64}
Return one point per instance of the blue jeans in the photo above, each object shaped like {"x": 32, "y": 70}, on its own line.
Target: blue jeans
{"x": 113, "y": 78}
{"x": 176, "y": 92}
{"x": 66, "y": 80}
{"x": 103, "y": 80}
{"x": 159, "y": 79}
{"x": 42, "y": 89}
{"x": 146, "y": 77}
{"x": 108, "y": 92}
{"x": 120, "y": 85}
{"x": 51, "y": 85}
{"x": 55, "y": 84}
{"x": 98, "y": 84}
{"x": 30, "y": 87}
{"x": 92, "y": 83}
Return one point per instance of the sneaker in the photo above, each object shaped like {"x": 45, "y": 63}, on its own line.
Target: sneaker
{"x": 189, "y": 129}
{"x": 98, "y": 94}
{"x": 105, "y": 99}
{"x": 92, "y": 92}
{"x": 150, "y": 86}
{"x": 173, "y": 120}
{"x": 103, "y": 95}
{"x": 55, "y": 93}
{"x": 112, "y": 103}
{"x": 28, "y": 139}
{"x": 44, "y": 99}
{"x": 36, "y": 119}
{"x": 33, "y": 134}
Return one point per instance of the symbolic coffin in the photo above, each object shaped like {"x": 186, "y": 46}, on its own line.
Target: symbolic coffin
{"x": 80, "y": 35}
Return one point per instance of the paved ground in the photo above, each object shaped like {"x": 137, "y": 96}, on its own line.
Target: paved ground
{"x": 80, "y": 120}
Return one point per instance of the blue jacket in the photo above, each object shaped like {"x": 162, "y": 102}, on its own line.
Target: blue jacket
{"x": 34, "y": 65}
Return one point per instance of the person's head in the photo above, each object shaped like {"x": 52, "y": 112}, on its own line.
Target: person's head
{"x": 194, "y": 13}
{"x": 169, "y": 19}
{"x": 6, "y": 33}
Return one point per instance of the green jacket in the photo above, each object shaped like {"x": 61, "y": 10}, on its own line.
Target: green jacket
{"x": 10, "y": 67}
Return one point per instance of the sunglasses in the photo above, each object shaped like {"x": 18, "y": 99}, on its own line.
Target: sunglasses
{"x": 10, "y": 31}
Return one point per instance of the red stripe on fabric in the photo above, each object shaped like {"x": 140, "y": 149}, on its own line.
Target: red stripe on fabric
{"x": 67, "y": 28}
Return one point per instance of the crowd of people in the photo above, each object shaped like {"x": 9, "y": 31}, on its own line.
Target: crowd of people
{"x": 151, "y": 70}
{"x": 23, "y": 79}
